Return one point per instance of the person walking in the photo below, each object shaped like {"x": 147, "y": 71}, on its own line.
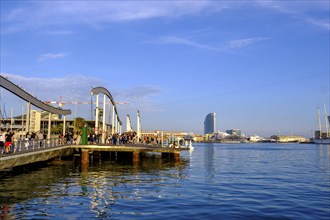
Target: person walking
{"x": 2, "y": 142}
{"x": 40, "y": 137}
{"x": 8, "y": 142}
{"x": 15, "y": 141}
{"x": 78, "y": 138}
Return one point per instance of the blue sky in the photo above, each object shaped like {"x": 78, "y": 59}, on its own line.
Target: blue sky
{"x": 261, "y": 66}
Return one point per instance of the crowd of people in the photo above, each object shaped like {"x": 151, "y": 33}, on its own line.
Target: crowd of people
{"x": 93, "y": 138}
{"x": 9, "y": 139}
{"x": 115, "y": 139}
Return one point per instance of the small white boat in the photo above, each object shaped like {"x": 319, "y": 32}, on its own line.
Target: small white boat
{"x": 180, "y": 143}
{"x": 255, "y": 138}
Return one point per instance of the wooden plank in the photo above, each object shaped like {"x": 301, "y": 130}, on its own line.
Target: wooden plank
{"x": 130, "y": 148}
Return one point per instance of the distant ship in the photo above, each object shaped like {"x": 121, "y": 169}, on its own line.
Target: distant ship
{"x": 255, "y": 138}
{"x": 320, "y": 137}
{"x": 321, "y": 141}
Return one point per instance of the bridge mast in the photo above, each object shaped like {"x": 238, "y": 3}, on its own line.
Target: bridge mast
{"x": 97, "y": 115}
{"x": 128, "y": 124}
{"x": 113, "y": 120}
{"x": 138, "y": 126}
{"x": 28, "y": 109}
{"x": 326, "y": 121}
{"x": 103, "y": 119}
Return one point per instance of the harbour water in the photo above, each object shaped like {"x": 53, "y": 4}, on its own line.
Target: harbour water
{"x": 214, "y": 181}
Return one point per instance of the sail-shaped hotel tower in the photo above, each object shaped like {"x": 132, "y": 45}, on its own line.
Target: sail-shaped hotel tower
{"x": 209, "y": 124}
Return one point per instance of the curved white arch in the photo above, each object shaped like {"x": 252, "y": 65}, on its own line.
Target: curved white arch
{"x": 98, "y": 90}
{"x": 11, "y": 87}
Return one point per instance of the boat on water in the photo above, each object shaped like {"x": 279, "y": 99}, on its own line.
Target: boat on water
{"x": 179, "y": 142}
{"x": 321, "y": 137}
{"x": 255, "y": 138}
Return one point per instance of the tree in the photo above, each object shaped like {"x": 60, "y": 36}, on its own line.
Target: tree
{"x": 79, "y": 123}
{"x": 57, "y": 128}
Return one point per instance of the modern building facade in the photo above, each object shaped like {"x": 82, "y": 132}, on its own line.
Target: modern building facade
{"x": 38, "y": 121}
{"x": 35, "y": 120}
{"x": 234, "y": 132}
{"x": 209, "y": 123}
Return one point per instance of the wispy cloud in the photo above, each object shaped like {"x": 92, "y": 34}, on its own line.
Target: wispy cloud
{"x": 301, "y": 11}
{"x": 140, "y": 92}
{"x": 234, "y": 44}
{"x": 324, "y": 24}
{"x": 77, "y": 87}
{"x": 96, "y": 13}
{"x": 187, "y": 42}
{"x": 138, "y": 97}
{"x": 53, "y": 13}
{"x": 51, "y": 56}
{"x": 228, "y": 47}
{"x": 71, "y": 87}
{"x": 58, "y": 32}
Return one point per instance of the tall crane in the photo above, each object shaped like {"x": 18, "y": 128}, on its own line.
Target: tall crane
{"x": 61, "y": 103}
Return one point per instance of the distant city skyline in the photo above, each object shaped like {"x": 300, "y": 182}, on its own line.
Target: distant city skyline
{"x": 262, "y": 66}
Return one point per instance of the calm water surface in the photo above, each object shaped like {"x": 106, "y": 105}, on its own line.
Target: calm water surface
{"x": 215, "y": 181}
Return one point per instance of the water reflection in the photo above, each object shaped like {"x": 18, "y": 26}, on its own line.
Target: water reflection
{"x": 17, "y": 185}
{"x": 324, "y": 156}
{"x": 209, "y": 162}
{"x": 247, "y": 181}
{"x": 324, "y": 150}
{"x": 101, "y": 184}
{"x": 109, "y": 181}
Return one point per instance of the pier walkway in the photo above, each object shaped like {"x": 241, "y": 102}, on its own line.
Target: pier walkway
{"x": 29, "y": 152}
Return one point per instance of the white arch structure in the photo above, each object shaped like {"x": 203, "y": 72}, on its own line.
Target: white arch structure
{"x": 116, "y": 122}
{"x": 15, "y": 89}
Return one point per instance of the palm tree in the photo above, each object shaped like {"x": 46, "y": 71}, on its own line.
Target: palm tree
{"x": 57, "y": 128}
{"x": 79, "y": 123}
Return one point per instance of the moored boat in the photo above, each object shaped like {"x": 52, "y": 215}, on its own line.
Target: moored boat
{"x": 320, "y": 141}
{"x": 322, "y": 137}
{"x": 255, "y": 138}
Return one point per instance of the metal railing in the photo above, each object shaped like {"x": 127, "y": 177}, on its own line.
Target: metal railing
{"x": 22, "y": 146}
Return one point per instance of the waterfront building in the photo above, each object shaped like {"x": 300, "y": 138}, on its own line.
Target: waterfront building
{"x": 35, "y": 120}
{"x": 234, "y": 132}
{"x": 285, "y": 139}
{"x": 38, "y": 121}
{"x": 168, "y": 134}
{"x": 220, "y": 135}
{"x": 209, "y": 123}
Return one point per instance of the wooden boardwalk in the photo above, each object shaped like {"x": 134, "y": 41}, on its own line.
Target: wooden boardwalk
{"x": 38, "y": 155}
{"x": 135, "y": 149}
{"x": 129, "y": 148}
